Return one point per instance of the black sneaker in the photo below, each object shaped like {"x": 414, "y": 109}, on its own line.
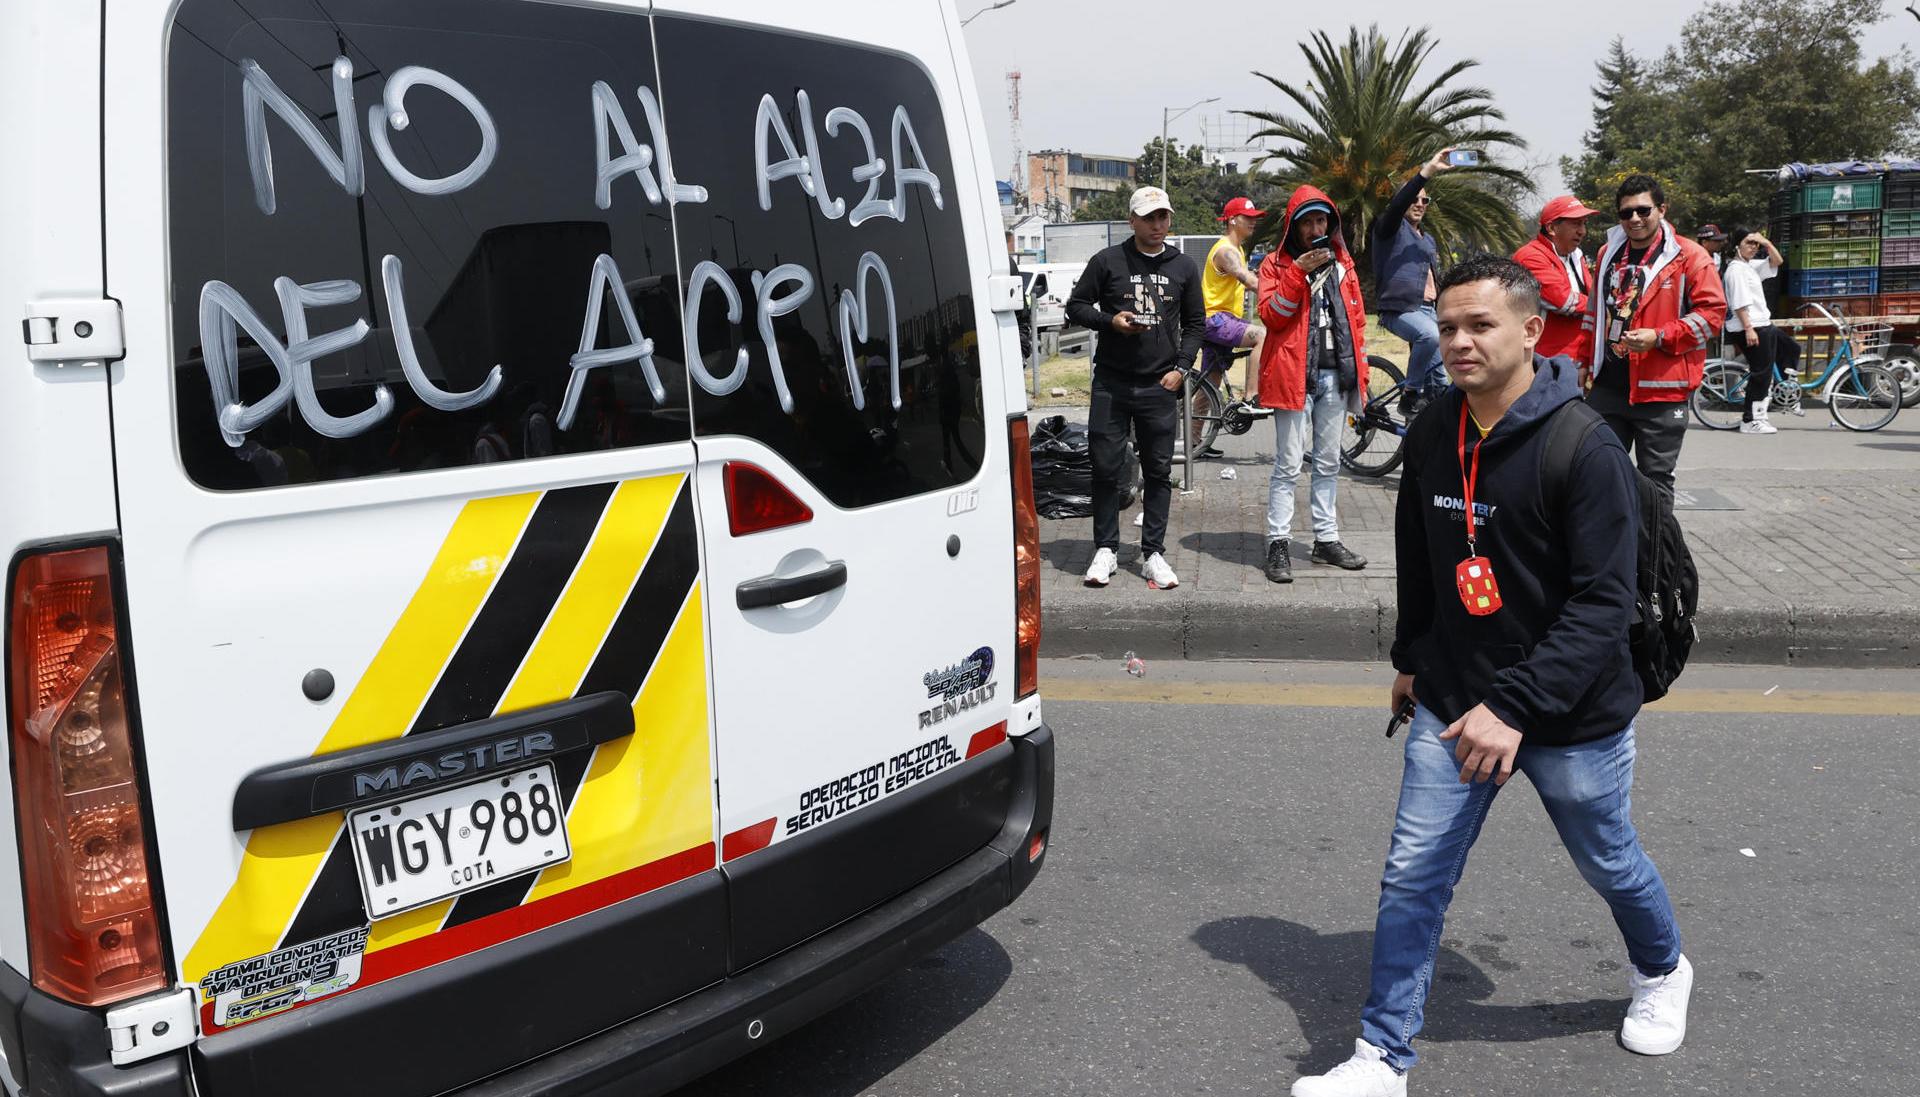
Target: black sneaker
{"x": 1411, "y": 402}
{"x": 1337, "y": 554}
{"x": 1213, "y": 453}
{"x": 1279, "y": 563}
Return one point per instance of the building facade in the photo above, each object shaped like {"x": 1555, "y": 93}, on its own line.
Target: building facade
{"x": 1060, "y": 181}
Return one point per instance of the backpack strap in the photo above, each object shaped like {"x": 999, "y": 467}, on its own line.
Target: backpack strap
{"x": 1567, "y": 431}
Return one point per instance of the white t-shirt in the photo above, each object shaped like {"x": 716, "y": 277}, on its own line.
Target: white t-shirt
{"x": 1743, "y": 292}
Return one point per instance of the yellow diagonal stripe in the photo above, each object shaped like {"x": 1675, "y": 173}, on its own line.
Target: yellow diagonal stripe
{"x": 566, "y": 645}
{"x": 648, "y": 795}
{"x": 580, "y": 620}
{"x": 281, "y": 861}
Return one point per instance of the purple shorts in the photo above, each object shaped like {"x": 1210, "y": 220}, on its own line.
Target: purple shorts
{"x": 1225, "y": 332}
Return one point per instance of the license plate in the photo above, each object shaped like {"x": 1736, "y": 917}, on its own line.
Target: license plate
{"x": 437, "y": 846}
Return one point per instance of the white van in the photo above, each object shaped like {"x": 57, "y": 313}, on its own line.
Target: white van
{"x": 517, "y": 516}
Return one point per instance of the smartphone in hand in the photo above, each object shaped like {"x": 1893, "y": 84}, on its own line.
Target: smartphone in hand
{"x": 1464, "y": 158}
{"x": 1401, "y": 717}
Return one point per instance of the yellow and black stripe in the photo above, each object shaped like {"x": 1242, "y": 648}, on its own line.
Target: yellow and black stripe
{"x": 532, "y": 599}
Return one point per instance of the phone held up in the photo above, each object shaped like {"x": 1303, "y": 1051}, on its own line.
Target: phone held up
{"x": 1464, "y": 158}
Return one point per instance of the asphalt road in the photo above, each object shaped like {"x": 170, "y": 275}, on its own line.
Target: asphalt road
{"x": 1206, "y": 918}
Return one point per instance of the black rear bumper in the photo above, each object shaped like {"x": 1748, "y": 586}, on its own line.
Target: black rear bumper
{"x": 649, "y": 1054}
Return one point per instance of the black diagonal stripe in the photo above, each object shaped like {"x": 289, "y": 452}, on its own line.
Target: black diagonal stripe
{"x": 477, "y": 676}
{"x": 633, "y": 643}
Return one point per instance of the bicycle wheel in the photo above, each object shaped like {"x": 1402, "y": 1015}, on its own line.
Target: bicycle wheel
{"x": 1370, "y": 443}
{"x": 1866, "y": 397}
{"x": 1206, "y": 404}
{"x": 1721, "y": 400}
{"x": 1904, "y": 361}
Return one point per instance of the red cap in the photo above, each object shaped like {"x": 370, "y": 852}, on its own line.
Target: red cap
{"x": 1240, "y": 207}
{"x": 1563, "y": 207}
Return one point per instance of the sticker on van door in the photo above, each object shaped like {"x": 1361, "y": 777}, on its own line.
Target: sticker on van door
{"x": 262, "y": 986}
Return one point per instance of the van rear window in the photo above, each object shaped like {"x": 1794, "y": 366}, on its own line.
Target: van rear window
{"x": 422, "y": 236}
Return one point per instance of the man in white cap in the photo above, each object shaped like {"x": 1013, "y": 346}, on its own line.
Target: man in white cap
{"x": 1143, "y": 301}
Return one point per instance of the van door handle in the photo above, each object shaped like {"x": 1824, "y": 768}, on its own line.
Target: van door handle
{"x": 776, "y": 590}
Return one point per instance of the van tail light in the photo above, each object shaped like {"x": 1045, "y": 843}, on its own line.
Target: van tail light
{"x": 757, "y": 502}
{"x": 93, "y": 932}
{"x": 1026, "y": 562}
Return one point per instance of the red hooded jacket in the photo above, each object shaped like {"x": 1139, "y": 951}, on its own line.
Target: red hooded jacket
{"x": 1683, "y": 302}
{"x": 1569, "y": 325}
{"x": 1285, "y": 310}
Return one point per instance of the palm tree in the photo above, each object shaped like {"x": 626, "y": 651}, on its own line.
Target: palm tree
{"x": 1367, "y": 123}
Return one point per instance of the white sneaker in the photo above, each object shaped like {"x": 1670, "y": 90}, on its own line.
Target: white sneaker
{"x": 1365, "y": 1075}
{"x": 1159, "y": 575}
{"x": 1758, "y": 426}
{"x": 1656, "y": 1022}
{"x": 1100, "y": 572}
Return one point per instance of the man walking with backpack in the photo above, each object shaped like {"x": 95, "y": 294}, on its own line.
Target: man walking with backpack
{"x": 1512, "y": 654}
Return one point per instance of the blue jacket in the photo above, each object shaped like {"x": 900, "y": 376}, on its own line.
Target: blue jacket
{"x": 1553, "y": 662}
{"x": 1402, "y": 254}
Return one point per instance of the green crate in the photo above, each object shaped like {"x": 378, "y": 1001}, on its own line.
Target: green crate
{"x": 1900, "y": 222}
{"x": 1840, "y": 194}
{"x": 1834, "y": 254}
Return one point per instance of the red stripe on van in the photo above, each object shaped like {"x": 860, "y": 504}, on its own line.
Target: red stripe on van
{"x": 984, "y": 741}
{"x": 456, "y": 941}
{"x": 747, "y": 840}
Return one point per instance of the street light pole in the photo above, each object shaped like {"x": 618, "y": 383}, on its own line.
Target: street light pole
{"x": 1167, "y": 114}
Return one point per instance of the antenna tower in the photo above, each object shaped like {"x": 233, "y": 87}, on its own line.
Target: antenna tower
{"x": 1019, "y": 177}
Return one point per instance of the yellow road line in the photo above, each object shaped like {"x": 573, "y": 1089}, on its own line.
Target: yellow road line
{"x": 1137, "y": 691}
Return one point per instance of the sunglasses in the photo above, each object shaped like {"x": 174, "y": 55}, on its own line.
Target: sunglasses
{"x": 1423, "y": 201}
{"x": 1633, "y": 212}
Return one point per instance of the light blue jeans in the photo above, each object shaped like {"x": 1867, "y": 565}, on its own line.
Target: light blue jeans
{"x": 1586, "y": 789}
{"x": 1317, "y": 426}
{"x": 1421, "y": 330}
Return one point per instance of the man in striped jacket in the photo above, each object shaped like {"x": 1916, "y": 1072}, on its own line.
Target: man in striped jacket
{"x": 1657, "y": 306}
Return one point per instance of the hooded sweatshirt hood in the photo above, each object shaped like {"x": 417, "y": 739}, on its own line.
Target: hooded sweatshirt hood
{"x": 1303, "y": 195}
{"x": 1556, "y": 381}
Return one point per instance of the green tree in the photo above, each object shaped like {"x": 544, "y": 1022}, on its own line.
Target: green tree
{"x": 1369, "y": 117}
{"x": 1197, "y": 187}
{"x": 1752, "y": 84}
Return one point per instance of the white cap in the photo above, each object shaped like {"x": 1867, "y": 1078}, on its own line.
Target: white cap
{"x": 1149, "y": 199}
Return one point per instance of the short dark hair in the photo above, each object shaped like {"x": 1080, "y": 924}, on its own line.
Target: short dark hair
{"x": 1523, "y": 290}
{"x": 1640, "y": 183}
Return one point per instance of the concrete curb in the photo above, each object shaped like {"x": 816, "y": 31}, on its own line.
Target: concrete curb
{"x": 1215, "y": 626}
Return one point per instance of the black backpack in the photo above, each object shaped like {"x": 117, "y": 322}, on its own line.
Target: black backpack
{"x": 1668, "y": 590}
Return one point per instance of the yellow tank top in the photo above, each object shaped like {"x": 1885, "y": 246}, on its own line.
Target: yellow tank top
{"x": 1223, "y": 293}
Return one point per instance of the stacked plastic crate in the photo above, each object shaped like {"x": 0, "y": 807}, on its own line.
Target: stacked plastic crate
{"x": 1900, "y": 246}
{"x": 1834, "y": 244}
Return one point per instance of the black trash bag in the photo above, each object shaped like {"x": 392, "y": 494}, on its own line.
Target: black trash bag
{"x": 1063, "y": 471}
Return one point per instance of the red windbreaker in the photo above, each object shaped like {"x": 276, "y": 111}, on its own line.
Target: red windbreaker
{"x": 1569, "y": 327}
{"x": 1683, "y": 301}
{"x": 1285, "y": 310}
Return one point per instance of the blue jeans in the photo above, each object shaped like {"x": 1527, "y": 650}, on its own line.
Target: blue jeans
{"x": 1421, "y": 330}
{"x": 1586, "y": 791}
{"x": 1313, "y": 429}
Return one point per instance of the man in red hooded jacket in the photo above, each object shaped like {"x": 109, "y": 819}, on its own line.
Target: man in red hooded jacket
{"x": 1657, "y": 305}
{"x": 1565, "y": 276}
{"x": 1313, "y": 372}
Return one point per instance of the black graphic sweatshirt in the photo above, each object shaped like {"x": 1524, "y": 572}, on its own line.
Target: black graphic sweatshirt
{"x": 1553, "y": 661}
{"x": 1167, "y": 286}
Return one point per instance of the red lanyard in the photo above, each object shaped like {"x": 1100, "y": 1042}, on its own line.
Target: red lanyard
{"x": 1469, "y": 479}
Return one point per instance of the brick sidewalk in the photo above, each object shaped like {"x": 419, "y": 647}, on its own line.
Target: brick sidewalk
{"x": 1818, "y": 567}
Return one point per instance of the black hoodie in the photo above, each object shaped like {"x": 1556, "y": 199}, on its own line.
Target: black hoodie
{"x": 1553, "y": 662}
{"x": 1120, "y": 279}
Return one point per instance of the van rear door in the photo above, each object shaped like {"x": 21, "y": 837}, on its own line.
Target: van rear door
{"x": 403, "y": 444}
{"x": 853, "y": 475}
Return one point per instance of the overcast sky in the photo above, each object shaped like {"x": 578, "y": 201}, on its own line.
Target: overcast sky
{"x": 1095, "y": 76}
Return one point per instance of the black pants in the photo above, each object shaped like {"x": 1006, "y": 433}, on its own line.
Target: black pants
{"x": 1775, "y": 348}
{"x": 1651, "y": 432}
{"x": 1154, "y": 415}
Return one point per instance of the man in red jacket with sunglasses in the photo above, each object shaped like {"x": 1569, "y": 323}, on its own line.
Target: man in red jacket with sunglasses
{"x": 1657, "y": 306}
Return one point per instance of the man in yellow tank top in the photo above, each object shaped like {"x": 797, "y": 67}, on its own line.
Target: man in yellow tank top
{"x": 1224, "y": 282}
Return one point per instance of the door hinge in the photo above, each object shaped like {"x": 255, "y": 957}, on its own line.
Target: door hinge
{"x": 73, "y": 330}
{"x": 152, "y": 1026}
{"x": 1004, "y": 292}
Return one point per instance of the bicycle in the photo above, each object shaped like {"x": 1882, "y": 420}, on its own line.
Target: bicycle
{"x": 1379, "y": 419}
{"x": 1860, "y": 392}
{"x": 1212, "y": 405}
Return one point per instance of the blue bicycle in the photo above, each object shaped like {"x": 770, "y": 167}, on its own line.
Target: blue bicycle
{"x": 1860, "y": 392}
